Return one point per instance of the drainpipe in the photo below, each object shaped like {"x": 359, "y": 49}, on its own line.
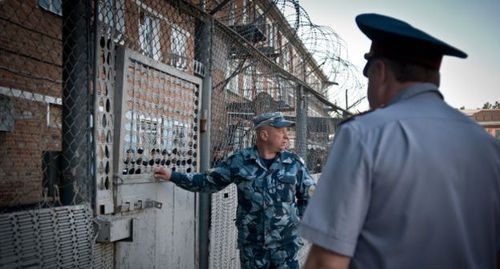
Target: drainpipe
{"x": 204, "y": 53}
{"x": 76, "y": 179}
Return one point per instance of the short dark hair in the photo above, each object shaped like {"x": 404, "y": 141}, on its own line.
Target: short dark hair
{"x": 404, "y": 72}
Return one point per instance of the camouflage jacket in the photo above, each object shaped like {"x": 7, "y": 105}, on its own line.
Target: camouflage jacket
{"x": 270, "y": 201}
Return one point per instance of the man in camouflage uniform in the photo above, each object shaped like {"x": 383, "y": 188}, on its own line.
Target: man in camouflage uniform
{"x": 274, "y": 188}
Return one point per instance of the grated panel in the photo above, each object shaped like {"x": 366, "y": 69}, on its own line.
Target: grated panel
{"x": 223, "y": 233}
{"x": 60, "y": 237}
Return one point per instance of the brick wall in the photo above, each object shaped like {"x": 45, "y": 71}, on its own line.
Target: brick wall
{"x": 30, "y": 64}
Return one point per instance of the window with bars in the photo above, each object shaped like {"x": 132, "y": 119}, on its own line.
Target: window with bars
{"x": 178, "y": 45}
{"x": 259, "y": 82}
{"x": 54, "y": 115}
{"x": 232, "y": 13}
{"x": 239, "y": 136}
{"x": 245, "y": 12}
{"x": 149, "y": 36}
{"x": 272, "y": 35}
{"x": 232, "y": 84}
{"x": 54, "y": 6}
{"x": 247, "y": 83}
{"x": 112, "y": 14}
{"x": 286, "y": 58}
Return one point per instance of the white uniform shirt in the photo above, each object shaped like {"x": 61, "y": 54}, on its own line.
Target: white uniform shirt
{"x": 412, "y": 185}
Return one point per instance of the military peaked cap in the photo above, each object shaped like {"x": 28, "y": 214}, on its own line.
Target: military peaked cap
{"x": 275, "y": 119}
{"x": 398, "y": 40}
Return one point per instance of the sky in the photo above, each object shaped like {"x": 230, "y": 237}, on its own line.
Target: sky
{"x": 471, "y": 26}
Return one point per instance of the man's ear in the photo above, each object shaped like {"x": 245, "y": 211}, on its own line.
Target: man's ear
{"x": 263, "y": 134}
{"x": 379, "y": 70}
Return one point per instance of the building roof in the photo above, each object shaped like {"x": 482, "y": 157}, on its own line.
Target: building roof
{"x": 486, "y": 117}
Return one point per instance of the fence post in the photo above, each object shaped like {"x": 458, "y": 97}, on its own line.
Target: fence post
{"x": 204, "y": 51}
{"x": 301, "y": 123}
{"x": 75, "y": 187}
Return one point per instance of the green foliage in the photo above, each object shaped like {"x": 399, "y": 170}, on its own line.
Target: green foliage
{"x": 488, "y": 105}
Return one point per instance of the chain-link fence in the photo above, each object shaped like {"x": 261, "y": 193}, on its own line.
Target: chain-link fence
{"x": 95, "y": 94}
{"x": 46, "y": 134}
{"x": 260, "y": 65}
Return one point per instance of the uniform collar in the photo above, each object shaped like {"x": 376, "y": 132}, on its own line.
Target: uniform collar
{"x": 415, "y": 90}
{"x": 253, "y": 154}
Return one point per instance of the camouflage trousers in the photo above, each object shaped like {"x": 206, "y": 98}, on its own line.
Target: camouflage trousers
{"x": 283, "y": 257}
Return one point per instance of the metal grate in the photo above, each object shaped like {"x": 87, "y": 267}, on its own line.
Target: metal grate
{"x": 223, "y": 233}
{"x": 103, "y": 255}
{"x": 60, "y": 237}
{"x": 159, "y": 118}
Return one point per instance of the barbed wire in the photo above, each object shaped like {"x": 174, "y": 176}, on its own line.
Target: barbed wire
{"x": 330, "y": 51}
{"x": 325, "y": 45}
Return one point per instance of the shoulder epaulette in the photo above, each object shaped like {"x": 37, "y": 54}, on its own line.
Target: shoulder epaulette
{"x": 293, "y": 155}
{"x": 352, "y": 117}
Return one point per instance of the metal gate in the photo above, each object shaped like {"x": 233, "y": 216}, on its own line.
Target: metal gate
{"x": 156, "y": 124}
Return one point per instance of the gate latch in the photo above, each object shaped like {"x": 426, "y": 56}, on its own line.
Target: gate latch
{"x": 153, "y": 203}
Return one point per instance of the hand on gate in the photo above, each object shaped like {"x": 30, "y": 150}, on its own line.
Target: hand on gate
{"x": 161, "y": 173}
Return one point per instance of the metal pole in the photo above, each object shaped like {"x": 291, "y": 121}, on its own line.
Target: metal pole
{"x": 346, "y": 100}
{"x": 301, "y": 118}
{"x": 203, "y": 50}
{"x": 301, "y": 123}
{"x": 76, "y": 144}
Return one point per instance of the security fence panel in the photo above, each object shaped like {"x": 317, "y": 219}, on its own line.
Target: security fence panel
{"x": 243, "y": 86}
{"x": 259, "y": 64}
{"x": 320, "y": 132}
